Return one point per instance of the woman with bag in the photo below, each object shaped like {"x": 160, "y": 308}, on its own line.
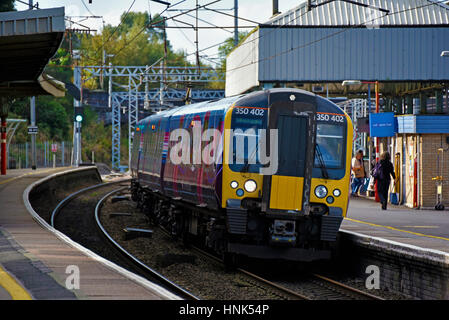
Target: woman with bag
{"x": 382, "y": 171}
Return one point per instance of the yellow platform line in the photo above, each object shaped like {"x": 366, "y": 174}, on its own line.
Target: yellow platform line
{"x": 23, "y": 175}
{"x": 396, "y": 229}
{"x": 423, "y": 227}
{"x": 16, "y": 291}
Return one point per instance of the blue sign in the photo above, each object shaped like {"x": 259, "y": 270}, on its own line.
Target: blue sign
{"x": 382, "y": 124}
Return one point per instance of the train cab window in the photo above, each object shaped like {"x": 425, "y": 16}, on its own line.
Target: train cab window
{"x": 330, "y": 142}
{"x": 245, "y": 124}
{"x": 330, "y": 150}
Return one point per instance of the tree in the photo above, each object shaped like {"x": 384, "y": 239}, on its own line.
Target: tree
{"x": 52, "y": 118}
{"x": 227, "y": 47}
{"x": 7, "y": 5}
{"x": 134, "y": 42}
{"x": 223, "y": 52}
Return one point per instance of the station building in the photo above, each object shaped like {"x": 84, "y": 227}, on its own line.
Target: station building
{"x": 394, "y": 45}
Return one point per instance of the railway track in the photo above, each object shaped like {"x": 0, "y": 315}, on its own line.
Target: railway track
{"x": 336, "y": 290}
{"x": 314, "y": 286}
{"x": 73, "y": 195}
{"x": 309, "y": 287}
{"x": 279, "y": 290}
{"x": 96, "y": 237}
{"x": 154, "y": 274}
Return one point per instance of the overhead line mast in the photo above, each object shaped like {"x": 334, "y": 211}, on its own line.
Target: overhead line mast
{"x": 196, "y": 39}
{"x": 236, "y": 22}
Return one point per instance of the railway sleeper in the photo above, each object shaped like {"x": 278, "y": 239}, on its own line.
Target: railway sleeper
{"x": 133, "y": 233}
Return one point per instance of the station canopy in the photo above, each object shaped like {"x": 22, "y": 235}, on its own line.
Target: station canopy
{"x": 28, "y": 39}
{"x": 396, "y": 42}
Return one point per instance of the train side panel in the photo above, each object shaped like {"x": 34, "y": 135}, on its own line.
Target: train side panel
{"x": 193, "y": 180}
{"x": 150, "y": 166}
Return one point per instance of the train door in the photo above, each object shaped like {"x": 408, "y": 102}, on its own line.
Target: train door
{"x": 289, "y": 188}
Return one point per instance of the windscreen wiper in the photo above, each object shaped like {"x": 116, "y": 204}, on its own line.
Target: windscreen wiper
{"x": 246, "y": 166}
{"x": 324, "y": 172}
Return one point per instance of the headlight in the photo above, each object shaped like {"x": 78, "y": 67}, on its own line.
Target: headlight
{"x": 336, "y": 192}
{"x": 234, "y": 184}
{"x": 330, "y": 199}
{"x": 239, "y": 192}
{"x": 250, "y": 186}
{"x": 321, "y": 191}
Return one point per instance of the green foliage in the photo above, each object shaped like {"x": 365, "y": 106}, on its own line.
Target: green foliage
{"x": 139, "y": 40}
{"x": 59, "y": 66}
{"x": 223, "y": 51}
{"x": 7, "y": 5}
{"x": 227, "y": 47}
{"x": 52, "y": 118}
{"x": 96, "y": 137}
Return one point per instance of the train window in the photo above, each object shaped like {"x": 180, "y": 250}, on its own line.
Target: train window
{"x": 245, "y": 124}
{"x": 331, "y": 143}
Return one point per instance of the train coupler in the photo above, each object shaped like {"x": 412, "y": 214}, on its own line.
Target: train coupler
{"x": 282, "y": 232}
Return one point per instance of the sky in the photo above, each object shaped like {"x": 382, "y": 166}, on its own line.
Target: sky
{"x": 180, "y": 39}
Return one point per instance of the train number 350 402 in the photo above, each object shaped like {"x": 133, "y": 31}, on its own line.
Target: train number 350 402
{"x": 251, "y": 111}
{"x": 330, "y": 117}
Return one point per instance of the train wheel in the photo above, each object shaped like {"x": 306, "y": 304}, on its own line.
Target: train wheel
{"x": 230, "y": 261}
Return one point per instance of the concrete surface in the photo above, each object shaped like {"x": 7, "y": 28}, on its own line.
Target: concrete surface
{"x": 39, "y": 258}
{"x": 421, "y": 228}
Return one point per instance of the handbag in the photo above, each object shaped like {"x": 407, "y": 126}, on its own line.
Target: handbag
{"x": 371, "y": 184}
{"x": 394, "y": 198}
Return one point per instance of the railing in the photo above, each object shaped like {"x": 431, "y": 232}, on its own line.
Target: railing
{"x": 20, "y": 157}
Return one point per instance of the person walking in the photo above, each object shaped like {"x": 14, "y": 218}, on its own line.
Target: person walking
{"x": 382, "y": 172}
{"x": 358, "y": 168}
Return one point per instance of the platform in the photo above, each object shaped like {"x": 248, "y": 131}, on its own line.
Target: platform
{"x": 35, "y": 263}
{"x": 427, "y": 229}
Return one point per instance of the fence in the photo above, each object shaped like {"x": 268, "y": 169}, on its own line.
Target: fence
{"x": 19, "y": 155}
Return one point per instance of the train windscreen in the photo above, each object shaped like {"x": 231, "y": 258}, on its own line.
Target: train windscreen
{"x": 330, "y": 141}
{"x": 330, "y": 151}
{"x": 245, "y": 125}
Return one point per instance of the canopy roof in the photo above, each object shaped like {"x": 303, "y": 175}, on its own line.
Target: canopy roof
{"x": 28, "y": 39}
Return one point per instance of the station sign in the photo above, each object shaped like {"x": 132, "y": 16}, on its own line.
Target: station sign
{"x": 54, "y": 147}
{"x": 382, "y": 124}
{"x": 32, "y": 130}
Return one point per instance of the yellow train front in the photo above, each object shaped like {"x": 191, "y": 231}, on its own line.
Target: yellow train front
{"x": 278, "y": 187}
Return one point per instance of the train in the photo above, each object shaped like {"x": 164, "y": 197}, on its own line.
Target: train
{"x": 262, "y": 175}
